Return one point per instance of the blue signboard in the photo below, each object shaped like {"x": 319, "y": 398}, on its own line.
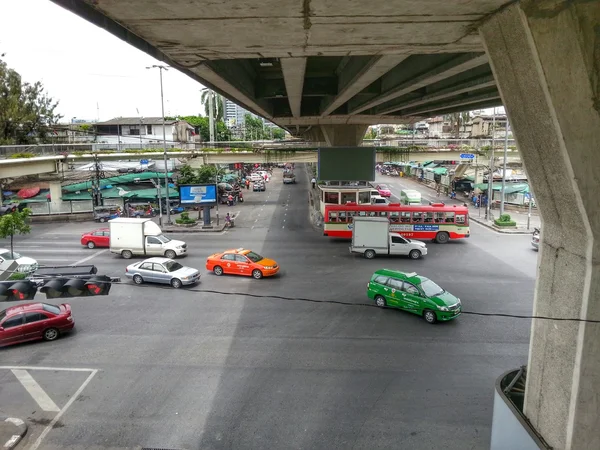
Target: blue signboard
{"x": 198, "y": 194}
{"x": 467, "y": 156}
{"x": 426, "y": 227}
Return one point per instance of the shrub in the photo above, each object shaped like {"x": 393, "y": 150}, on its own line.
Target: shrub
{"x": 185, "y": 219}
{"x": 505, "y": 221}
{"x": 22, "y": 155}
{"x": 17, "y": 276}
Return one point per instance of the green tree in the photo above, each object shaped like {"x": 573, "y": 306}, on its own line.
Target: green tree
{"x": 371, "y": 133}
{"x": 26, "y": 110}
{"x": 200, "y": 124}
{"x": 189, "y": 175}
{"x": 255, "y": 127}
{"x": 14, "y": 223}
{"x": 278, "y": 133}
{"x": 217, "y": 104}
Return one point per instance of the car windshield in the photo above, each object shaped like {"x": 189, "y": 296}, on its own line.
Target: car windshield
{"x": 163, "y": 239}
{"x": 6, "y": 255}
{"x": 51, "y": 308}
{"x": 254, "y": 257}
{"x": 383, "y": 186}
{"x": 2, "y": 315}
{"x": 172, "y": 266}
{"x": 431, "y": 289}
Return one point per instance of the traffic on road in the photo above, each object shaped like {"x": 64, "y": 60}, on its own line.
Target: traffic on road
{"x": 305, "y": 330}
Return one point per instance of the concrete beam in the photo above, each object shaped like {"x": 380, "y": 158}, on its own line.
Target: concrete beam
{"x": 375, "y": 68}
{"x": 454, "y": 67}
{"x": 459, "y": 102}
{"x": 293, "y": 74}
{"x": 545, "y": 57}
{"x": 206, "y": 72}
{"x": 365, "y": 119}
{"x": 344, "y": 135}
{"x": 452, "y": 91}
{"x": 20, "y": 167}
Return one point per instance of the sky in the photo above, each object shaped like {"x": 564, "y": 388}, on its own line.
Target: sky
{"x": 92, "y": 73}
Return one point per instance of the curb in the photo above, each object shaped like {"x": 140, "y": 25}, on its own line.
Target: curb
{"x": 20, "y": 430}
{"x": 497, "y": 230}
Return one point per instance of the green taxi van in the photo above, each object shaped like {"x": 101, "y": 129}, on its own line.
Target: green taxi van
{"x": 413, "y": 293}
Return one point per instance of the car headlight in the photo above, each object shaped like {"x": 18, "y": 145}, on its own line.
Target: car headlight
{"x": 181, "y": 247}
{"x": 268, "y": 267}
{"x": 443, "y": 308}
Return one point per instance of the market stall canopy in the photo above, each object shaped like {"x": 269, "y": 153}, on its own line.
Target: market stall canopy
{"x": 146, "y": 194}
{"x": 121, "y": 179}
{"x": 511, "y": 188}
{"x": 28, "y": 192}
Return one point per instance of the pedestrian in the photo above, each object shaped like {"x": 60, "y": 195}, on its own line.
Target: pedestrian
{"x": 230, "y": 200}
{"x": 227, "y": 220}
{"x": 247, "y": 183}
{"x": 314, "y": 182}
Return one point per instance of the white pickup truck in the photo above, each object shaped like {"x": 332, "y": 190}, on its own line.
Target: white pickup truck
{"x": 371, "y": 237}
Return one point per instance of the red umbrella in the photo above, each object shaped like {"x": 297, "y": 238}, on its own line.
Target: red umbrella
{"x": 28, "y": 192}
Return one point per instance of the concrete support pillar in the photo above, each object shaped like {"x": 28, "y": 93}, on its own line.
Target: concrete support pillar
{"x": 56, "y": 196}
{"x": 545, "y": 55}
{"x": 343, "y": 135}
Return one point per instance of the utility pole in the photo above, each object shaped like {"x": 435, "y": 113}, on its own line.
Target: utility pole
{"x": 98, "y": 175}
{"x": 491, "y": 174}
{"x": 504, "y": 169}
{"x": 162, "y": 104}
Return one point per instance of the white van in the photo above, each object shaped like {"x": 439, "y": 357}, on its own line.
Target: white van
{"x": 410, "y": 197}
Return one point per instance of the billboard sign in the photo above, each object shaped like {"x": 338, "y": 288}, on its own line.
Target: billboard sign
{"x": 198, "y": 194}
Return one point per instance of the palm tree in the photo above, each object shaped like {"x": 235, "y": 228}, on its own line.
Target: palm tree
{"x": 217, "y": 104}
{"x": 457, "y": 120}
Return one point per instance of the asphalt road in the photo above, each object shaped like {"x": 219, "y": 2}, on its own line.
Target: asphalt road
{"x": 238, "y": 369}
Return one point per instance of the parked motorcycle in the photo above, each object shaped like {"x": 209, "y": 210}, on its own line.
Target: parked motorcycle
{"x": 536, "y": 231}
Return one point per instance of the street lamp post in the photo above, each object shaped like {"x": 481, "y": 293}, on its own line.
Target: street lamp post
{"x": 162, "y": 104}
{"x": 490, "y": 194}
{"x": 504, "y": 168}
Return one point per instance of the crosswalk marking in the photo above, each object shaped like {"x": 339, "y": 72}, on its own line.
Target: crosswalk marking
{"x": 35, "y": 390}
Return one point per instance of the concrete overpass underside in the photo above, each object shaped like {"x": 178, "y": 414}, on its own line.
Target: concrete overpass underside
{"x": 318, "y": 67}
{"x": 329, "y": 68}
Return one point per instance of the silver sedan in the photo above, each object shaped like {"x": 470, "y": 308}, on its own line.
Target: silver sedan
{"x": 162, "y": 270}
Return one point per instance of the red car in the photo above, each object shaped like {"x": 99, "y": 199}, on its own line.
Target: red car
{"x": 96, "y": 238}
{"x": 34, "y": 321}
{"x": 384, "y": 191}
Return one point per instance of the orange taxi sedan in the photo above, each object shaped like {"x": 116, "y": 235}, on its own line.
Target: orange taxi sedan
{"x": 241, "y": 262}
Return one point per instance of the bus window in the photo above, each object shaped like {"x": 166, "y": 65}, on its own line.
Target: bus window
{"x": 342, "y": 216}
{"x": 332, "y": 197}
{"x": 439, "y": 217}
{"x": 382, "y": 214}
{"x": 428, "y": 217}
{"x": 333, "y": 216}
{"x": 364, "y": 197}
{"x": 362, "y": 214}
{"x": 405, "y": 217}
{"x": 394, "y": 217}
{"x": 460, "y": 219}
{"x": 449, "y": 217}
{"x": 372, "y": 213}
{"x": 417, "y": 217}
{"x": 351, "y": 215}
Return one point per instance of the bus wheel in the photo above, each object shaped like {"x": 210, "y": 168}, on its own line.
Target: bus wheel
{"x": 370, "y": 254}
{"x": 442, "y": 237}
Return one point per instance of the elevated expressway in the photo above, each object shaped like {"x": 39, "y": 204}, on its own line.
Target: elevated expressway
{"x": 326, "y": 69}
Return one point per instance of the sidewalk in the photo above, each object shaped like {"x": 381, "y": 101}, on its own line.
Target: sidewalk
{"x": 475, "y": 214}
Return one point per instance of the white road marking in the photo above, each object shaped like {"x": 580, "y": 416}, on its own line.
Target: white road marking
{"x": 12, "y": 441}
{"x": 37, "y": 249}
{"x": 74, "y": 397}
{"x": 35, "y": 390}
{"x": 75, "y": 369}
{"x": 87, "y": 258}
{"x": 252, "y": 227}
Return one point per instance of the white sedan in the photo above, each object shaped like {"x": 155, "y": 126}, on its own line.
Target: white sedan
{"x": 25, "y": 264}
{"x": 162, "y": 270}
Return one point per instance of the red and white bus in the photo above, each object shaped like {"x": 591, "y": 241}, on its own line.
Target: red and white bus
{"x": 436, "y": 221}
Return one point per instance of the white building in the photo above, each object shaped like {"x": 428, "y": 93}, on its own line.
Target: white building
{"x": 143, "y": 130}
